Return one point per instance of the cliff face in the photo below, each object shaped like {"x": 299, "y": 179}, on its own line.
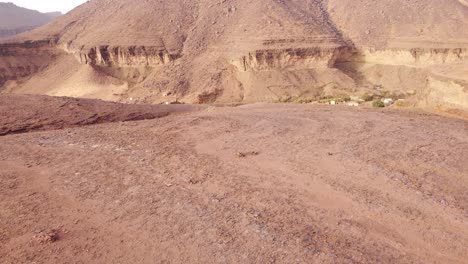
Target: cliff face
{"x": 414, "y": 57}
{"x": 293, "y": 58}
{"x": 125, "y": 56}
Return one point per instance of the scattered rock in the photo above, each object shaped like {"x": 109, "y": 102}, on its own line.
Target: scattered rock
{"x": 246, "y": 154}
{"x": 194, "y": 181}
{"x": 47, "y": 237}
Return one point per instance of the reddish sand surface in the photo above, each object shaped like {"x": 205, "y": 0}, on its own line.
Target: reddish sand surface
{"x": 263, "y": 183}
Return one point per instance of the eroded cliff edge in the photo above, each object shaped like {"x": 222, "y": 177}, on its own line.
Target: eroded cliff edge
{"x": 260, "y": 75}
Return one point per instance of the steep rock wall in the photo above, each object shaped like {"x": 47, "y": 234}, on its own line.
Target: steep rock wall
{"x": 124, "y": 56}
{"x": 292, "y": 58}
{"x": 414, "y": 57}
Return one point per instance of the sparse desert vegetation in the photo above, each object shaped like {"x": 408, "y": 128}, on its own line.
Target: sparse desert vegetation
{"x": 378, "y": 104}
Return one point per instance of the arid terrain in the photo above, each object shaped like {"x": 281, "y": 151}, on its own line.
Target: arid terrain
{"x": 261, "y": 183}
{"x": 237, "y": 131}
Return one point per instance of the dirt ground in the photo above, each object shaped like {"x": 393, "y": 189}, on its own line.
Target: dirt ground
{"x": 263, "y": 183}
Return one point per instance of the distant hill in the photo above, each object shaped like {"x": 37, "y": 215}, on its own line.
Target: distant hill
{"x": 15, "y": 19}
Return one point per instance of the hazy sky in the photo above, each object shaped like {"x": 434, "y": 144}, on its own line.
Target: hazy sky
{"x": 47, "y": 5}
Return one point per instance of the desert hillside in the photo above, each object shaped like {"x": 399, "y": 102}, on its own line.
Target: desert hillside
{"x": 15, "y": 19}
{"x": 201, "y": 51}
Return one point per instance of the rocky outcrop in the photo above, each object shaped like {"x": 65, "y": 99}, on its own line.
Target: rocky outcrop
{"x": 415, "y": 57}
{"x": 293, "y": 58}
{"x": 320, "y": 57}
{"x": 20, "y": 60}
{"x": 124, "y": 56}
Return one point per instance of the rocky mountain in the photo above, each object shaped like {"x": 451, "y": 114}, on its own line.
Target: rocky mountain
{"x": 15, "y": 19}
{"x": 228, "y": 51}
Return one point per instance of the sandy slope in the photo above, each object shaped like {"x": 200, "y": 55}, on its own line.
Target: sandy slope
{"x": 192, "y": 25}
{"x": 402, "y": 24}
{"x": 252, "y": 184}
